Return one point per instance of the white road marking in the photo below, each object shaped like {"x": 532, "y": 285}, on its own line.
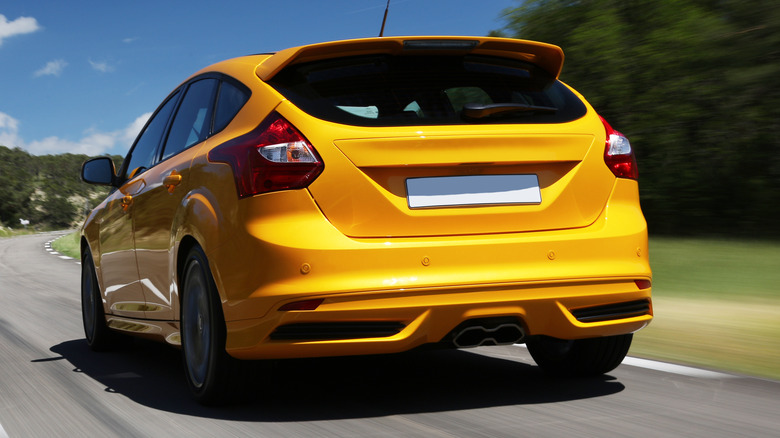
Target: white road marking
{"x": 681, "y": 370}
{"x": 47, "y": 247}
{"x": 674, "y": 368}
{"x": 3, "y": 434}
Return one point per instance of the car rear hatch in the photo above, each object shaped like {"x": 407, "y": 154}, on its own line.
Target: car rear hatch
{"x": 443, "y": 136}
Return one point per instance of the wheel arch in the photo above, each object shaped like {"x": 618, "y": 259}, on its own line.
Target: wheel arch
{"x": 200, "y": 224}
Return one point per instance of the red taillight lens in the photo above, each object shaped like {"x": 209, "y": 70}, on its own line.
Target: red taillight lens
{"x": 274, "y": 156}
{"x": 618, "y": 154}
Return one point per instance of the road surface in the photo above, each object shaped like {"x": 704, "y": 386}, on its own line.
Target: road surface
{"x": 51, "y": 385}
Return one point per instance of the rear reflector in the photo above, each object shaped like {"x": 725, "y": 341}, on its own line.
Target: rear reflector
{"x": 302, "y": 305}
{"x": 643, "y": 284}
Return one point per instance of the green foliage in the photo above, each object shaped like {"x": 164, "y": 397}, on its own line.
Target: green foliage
{"x": 695, "y": 86}
{"x": 46, "y": 190}
{"x": 15, "y": 191}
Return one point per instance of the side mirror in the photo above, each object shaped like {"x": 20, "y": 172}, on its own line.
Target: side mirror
{"x": 99, "y": 170}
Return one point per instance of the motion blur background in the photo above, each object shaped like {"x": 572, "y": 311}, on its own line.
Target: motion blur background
{"x": 694, "y": 84}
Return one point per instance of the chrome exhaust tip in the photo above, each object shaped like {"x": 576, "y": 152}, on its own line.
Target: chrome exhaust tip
{"x": 478, "y": 335}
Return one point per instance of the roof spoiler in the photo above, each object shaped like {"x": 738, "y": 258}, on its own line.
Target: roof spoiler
{"x": 546, "y": 56}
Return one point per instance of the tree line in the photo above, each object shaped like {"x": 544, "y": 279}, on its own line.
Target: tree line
{"x": 44, "y": 190}
{"x": 695, "y": 85}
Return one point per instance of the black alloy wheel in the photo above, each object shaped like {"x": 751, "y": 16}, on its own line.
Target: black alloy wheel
{"x": 209, "y": 370}
{"x": 99, "y": 336}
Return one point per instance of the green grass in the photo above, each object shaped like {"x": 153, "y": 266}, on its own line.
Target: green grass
{"x": 716, "y": 304}
{"x": 11, "y": 232}
{"x": 68, "y": 245}
{"x": 715, "y": 269}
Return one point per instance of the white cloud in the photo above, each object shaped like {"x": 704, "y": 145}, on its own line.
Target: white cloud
{"x": 92, "y": 143}
{"x": 20, "y": 26}
{"x": 52, "y": 68}
{"x": 129, "y": 40}
{"x": 9, "y": 130}
{"x": 132, "y": 130}
{"x": 8, "y": 123}
{"x": 101, "y": 66}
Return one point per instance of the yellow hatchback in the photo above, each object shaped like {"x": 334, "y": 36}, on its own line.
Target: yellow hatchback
{"x": 371, "y": 196}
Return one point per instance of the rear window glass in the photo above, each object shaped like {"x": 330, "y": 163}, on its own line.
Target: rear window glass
{"x": 388, "y": 90}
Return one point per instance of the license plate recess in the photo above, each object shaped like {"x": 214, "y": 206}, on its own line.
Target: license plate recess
{"x": 454, "y": 191}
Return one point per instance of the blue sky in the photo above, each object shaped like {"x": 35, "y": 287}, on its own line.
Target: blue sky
{"x": 83, "y": 76}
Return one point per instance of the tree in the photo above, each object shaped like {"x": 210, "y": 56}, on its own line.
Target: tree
{"x": 16, "y": 187}
{"x": 57, "y": 212}
{"x": 45, "y": 189}
{"x": 694, "y": 84}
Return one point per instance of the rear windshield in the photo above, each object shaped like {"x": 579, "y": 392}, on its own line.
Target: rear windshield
{"x": 387, "y": 90}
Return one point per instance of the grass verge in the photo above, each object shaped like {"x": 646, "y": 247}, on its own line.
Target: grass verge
{"x": 11, "y": 232}
{"x": 716, "y": 305}
{"x": 68, "y": 245}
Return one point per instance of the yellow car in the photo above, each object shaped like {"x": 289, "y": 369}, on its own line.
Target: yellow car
{"x": 371, "y": 196}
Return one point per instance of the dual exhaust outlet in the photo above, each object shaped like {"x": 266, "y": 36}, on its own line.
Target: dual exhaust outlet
{"x": 476, "y": 333}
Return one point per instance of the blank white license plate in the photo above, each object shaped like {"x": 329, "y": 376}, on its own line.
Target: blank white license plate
{"x": 472, "y": 190}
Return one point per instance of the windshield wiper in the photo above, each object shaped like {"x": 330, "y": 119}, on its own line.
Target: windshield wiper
{"x": 479, "y": 111}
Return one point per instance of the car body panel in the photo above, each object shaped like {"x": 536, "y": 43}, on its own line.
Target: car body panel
{"x": 364, "y": 193}
{"x": 156, "y": 211}
{"x": 115, "y": 247}
{"x": 338, "y": 263}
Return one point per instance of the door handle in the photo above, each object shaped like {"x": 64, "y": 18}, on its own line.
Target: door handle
{"x": 172, "y": 180}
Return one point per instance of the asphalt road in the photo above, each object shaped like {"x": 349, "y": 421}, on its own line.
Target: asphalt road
{"x": 51, "y": 385}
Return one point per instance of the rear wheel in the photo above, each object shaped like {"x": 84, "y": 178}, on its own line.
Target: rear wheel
{"x": 210, "y": 371}
{"x": 99, "y": 336}
{"x": 580, "y": 357}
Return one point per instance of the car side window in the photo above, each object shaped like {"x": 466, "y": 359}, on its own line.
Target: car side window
{"x": 192, "y": 123}
{"x": 229, "y": 102}
{"x": 143, "y": 154}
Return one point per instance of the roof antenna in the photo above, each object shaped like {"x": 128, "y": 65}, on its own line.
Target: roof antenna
{"x": 382, "y": 31}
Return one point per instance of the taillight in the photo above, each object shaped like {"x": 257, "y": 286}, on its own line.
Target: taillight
{"x": 274, "y": 156}
{"x": 618, "y": 154}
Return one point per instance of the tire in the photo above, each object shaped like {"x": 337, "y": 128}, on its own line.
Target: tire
{"x": 210, "y": 372}
{"x": 579, "y": 358}
{"x": 99, "y": 336}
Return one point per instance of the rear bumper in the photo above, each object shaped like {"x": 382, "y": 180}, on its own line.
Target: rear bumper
{"x": 428, "y": 316}
{"x": 424, "y": 286}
